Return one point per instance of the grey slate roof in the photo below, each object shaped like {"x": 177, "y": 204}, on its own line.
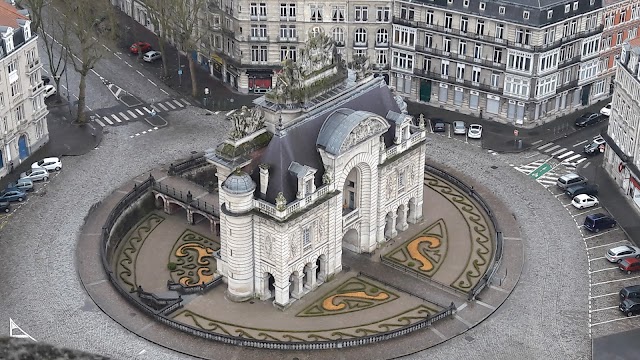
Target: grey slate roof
{"x": 337, "y": 127}
{"x": 239, "y": 183}
{"x": 299, "y": 170}
{"x": 514, "y": 9}
{"x": 395, "y": 117}
{"x": 298, "y": 143}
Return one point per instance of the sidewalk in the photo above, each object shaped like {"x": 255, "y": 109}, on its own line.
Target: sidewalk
{"x": 65, "y": 139}
{"x": 500, "y": 137}
{"x": 221, "y": 96}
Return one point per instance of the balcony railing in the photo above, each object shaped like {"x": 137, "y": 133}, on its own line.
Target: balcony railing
{"x": 569, "y": 62}
{"x": 259, "y": 38}
{"x": 568, "y": 86}
{"x": 360, "y": 44}
{"x": 295, "y": 206}
{"x": 382, "y": 44}
{"x": 453, "y": 80}
{"x": 287, "y": 18}
{"x": 467, "y": 59}
{"x": 493, "y": 39}
{"x": 291, "y": 39}
{"x": 258, "y": 17}
{"x": 350, "y": 217}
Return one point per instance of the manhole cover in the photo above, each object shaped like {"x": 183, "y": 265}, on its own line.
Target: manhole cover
{"x": 469, "y": 338}
{"x": 494, "y": 167}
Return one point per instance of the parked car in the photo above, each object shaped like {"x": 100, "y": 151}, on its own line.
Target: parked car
{"x": 629, "y": 265}
{"x": 152, "y": 56}
{"x": 584, "y": 201}
{"x": 49, "y": 91}
{"x": 630, "y": 292}
{"x": 35, "y": 174}
{"x": 50, "y": 163}
{"x": 5, "y": 206}
{"x": 584, "y": 188}
{"x": 22, "y": 185}
{"x": 475, "y": 131}
{"x": 606, "y": 111}
{"x": 630, "y": 307}
{"x": 439, "y": 126}
{"x": 12, "y": 195}
{"x": 140, "y": 45}
{"x": 596, "y": 146}
{"x": 459, "y": 128}
{"x": 45, "y": 79}
{"x": 588, "y": 119}
{"x": 570, "y": 179}
{"x": 599, "y": 221}
{"x": 616, "y": 254}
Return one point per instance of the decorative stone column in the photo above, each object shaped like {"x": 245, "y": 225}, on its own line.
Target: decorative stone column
{"x": 402, "y": 225}
{"x": 265, "y": 294}
{"x": 282, "y": 291}
{"x": 392, "y": 232}
{"x": 311, "y": 276}
{"x": 189, "y": 215}
{"x": 298, "y": 287}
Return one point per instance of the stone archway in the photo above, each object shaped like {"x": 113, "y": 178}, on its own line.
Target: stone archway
{"x": 321, "y": 268}
{"x": 357, "y": 204}
{"x": 160, "y": 202}
{"x": 412, "y": 214}
{"x": 401, "y": 220}
{"x": 390, "y": 225}
{"x": 268, "y": 286}
{"x": 351, "y": 240}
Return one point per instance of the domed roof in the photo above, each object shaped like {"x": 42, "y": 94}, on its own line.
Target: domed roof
{"x": 239, "y": 182}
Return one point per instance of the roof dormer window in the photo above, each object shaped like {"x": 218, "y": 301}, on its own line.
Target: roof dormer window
{"x": 26, "y": 28}
{"x": 8, "y": 41}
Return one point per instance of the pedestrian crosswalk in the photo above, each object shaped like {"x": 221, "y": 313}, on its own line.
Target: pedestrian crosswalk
{"x": 139, "y": 112}
{"x": 568, "y": 157}
{"x": 547, "y": 179}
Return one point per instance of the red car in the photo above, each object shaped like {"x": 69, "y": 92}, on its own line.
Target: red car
{"x": 145, "y": 47}
{"x": 629, "y": 265}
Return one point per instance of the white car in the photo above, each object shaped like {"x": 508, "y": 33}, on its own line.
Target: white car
{"x": 35, "y": 174}
{"x": 50, "y": 163}
{"x": 475, "y": 131}
{"x": 622, "y": 252}
{"x": 152, "y": 56}
{"x": 459, "y": 128}
{"x": 583, "y": 201}
{"x": 49, "y": 90}
{"x": 606, "y": 111}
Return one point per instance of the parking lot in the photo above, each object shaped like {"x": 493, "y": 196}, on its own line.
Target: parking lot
{"x": 605, "y": 278}
{"x": 39, "y": 189}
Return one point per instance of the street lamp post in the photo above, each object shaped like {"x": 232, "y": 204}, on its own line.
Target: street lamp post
{"x": 206, "y": 94}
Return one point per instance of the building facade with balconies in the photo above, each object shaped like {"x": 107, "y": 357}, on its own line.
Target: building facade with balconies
{"x": 506, "y": 60}
{"x": 23, "y": 123}
{"x": 622, "y": 155}
{"x": 621, "y": 19}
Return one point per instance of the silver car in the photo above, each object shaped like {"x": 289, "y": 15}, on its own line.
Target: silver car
{"x": 622, "y": 252}
{"x": 459, "y": 128}
{"x": 35, "y": 174}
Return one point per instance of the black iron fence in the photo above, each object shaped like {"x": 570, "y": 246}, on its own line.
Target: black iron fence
{"x": 199, "y": 288}
{"x": 187, "y": 198}
{"x": 193, "y": 162}
{"x": 498, "y": 241}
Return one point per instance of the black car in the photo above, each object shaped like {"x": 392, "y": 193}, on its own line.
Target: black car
{"x": 45, "y": 79}
{"x": 589, "y": 189}
{"x": 599, "y": 221}
{"x": 439, "y": 126}
{"x": 588, "y": 119}
{"x": 630, "y": 306}
{"x": 4, "y": 206}
{"x": 630, "y": 292}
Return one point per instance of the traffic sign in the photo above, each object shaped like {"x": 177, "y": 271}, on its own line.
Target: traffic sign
{"x": 541, "y": 170}
{"x": 515, "y": 132}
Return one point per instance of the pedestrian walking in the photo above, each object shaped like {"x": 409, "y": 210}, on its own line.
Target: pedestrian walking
{"x": 10, "y": 167}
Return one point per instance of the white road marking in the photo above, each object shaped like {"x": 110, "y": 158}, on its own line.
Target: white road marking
{"x": 139, "y": 112}
{"x": 144, "y": 132}
{"x": 124, "y": 116}
{"x": 147, "y": 110}
{"x": 230, "y": 112}
{"x": 217, "y": 112}
{"x": 609, "y": 244}
{"x": 99, "y": 122}
{"x": 162, "y": 107}
{"x": 150, "y": 130}
{"x": 137, "y": 134}
{"x": 155, "y": 128}
{"x": 545, "y": 145}
{"x": 585, "y": 212}
{"x": 178, "y": 103}
{"x": 116, "y": 118}
{"x": 138, "y": 71}
{"x": 552, "y": 148}
{"x": 154, "y": 84}
{"x": 132, "y": 114}
{"x": 129, "y": 65}
{"x": 573, "y": 157}
{"x": 602, "y": 309}
{"x": 601, "y": 270}
{"x": 185, "y": 101}
{"x": 608, "y": 321}
{"x": 559, "y": 151}
{"x": 171, "y": 105}
{"x": 154, "y": 108}
{"x": 536, "y": 142}
{"x": 565, "y": 154}
{"x": 88, "y": 108}
{"x": 596, "y": 259}
{"x": 164, "y": 91}
{"x": 602, "y": 233}
{"x": 580, "y": 143}
{"x": 118, "y": 56}
{"x": 105, "y": 46}
{"x": 581, "y": 160}
{"x": 599, "y": 296}
{"x": 107, "y": 120}
{"x": 616, "y": 280}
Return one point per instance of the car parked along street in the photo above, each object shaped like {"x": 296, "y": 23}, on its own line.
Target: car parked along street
{"x": 618, "y": 253}
{"x": 475, "y": 131}
{"x": 629, "y": 265}
{"x": 588, "y": 119}
{"x": 584, "y": 201}
{"x": 13, "y": 195}
{"x": 5, "y": 206}
{"x": 584, "y": 188}
{"x": 459, "y": 128}
{"x": 50, "y": 163}
{"x": 35, "y": 174}
{"x": 22, "y": 185}
{"x": 599, "y": 221}
{"x": 630, "y": 307}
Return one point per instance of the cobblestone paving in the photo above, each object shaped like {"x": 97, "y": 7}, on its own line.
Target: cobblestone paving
{"x": 545, "y": 317}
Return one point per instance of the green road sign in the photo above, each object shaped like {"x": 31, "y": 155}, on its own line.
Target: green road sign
{"x": 541, "y": 170}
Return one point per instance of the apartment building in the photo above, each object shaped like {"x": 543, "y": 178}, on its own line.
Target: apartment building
{"x": 23, "y": 124}
{"x": 621, "y": 19}
{"x": 622, "y": 156}
{"x": 519, "y": 61}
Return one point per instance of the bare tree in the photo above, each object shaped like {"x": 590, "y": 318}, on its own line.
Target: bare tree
{"x": 161, "y": 17}
{"x": 188, "y": 32}
{"x": 83, "y": 30}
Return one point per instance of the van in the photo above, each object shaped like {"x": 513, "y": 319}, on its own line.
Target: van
{"x": 569, "y": 180}
{"x": 599, "y": 221}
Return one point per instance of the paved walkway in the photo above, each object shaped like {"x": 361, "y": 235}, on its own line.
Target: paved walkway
{"x": 469, "y": 313}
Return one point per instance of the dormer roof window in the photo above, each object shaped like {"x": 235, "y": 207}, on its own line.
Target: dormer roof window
{"x": 305, "y": 175}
